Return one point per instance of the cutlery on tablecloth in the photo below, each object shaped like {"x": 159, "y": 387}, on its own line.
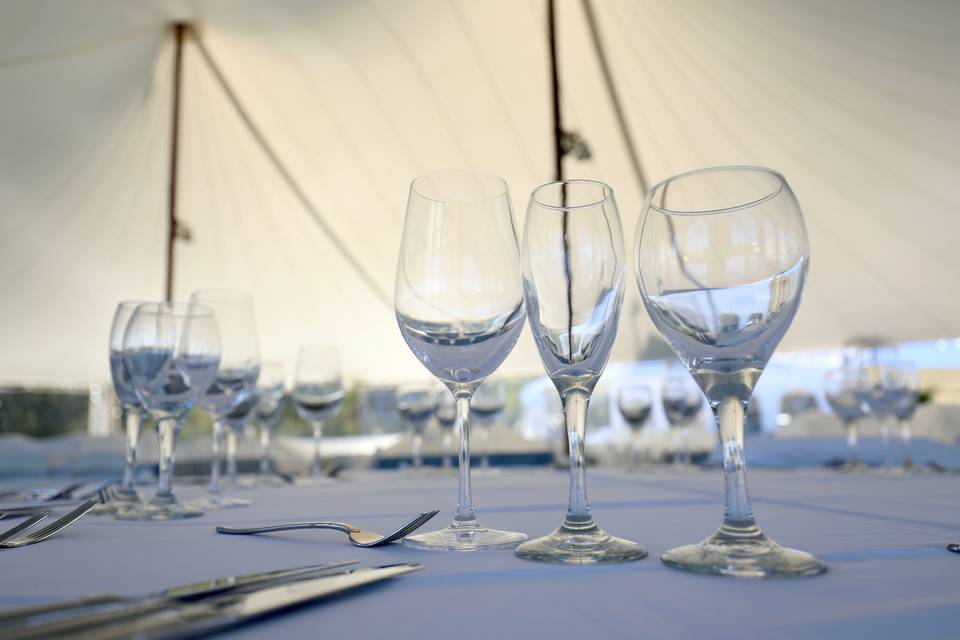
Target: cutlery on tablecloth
{"x": 358, "y": 537}
{"x": 10, "y": 540}
{"x": 190, "y": 619}
{"x": 45, "y": 620}
{"x": 953, "y": 547}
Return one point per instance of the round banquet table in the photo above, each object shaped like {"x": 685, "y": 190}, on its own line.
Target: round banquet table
{"x": 882, "y": 536}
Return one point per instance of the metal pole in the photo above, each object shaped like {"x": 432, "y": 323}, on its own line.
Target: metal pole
{"x": 179, "y": 30}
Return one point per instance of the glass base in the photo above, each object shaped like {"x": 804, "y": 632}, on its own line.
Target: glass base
{"x": 159, "y": 512}
{"x": 122, "y": 500}
{"x": 743, "y": 553}
{"x": 465, "y": 539}
{"x": 581, "y": 546}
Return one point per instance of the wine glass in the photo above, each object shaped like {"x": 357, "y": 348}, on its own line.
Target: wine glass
{"x": 416, "y": 405}
{"x": 573, "y": 266}
{"x": 487, "y": 405}
{"x": 635, "y": 402}
{"x": 839, "y": 388}
{"x": 446, "y": 414}
{"x": 906, "y": 385}
{"x": 172, "y": 351}
{"x": 682, "y": 400}
{"x": 459, "y": 306}
{"x": 317, "y": 393}
{"x": 232, "y": 393}
{"x": 132, "y": 413}
{"x": 270, "y": 394}
{"x": 721, "y": 258}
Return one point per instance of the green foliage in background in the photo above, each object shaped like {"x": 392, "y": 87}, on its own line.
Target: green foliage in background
{"x": 42, "y": 414}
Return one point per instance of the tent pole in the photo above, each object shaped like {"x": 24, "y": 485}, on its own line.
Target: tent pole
{"x": 179, "y": 30}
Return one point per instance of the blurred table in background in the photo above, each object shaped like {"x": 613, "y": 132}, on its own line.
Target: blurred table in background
{"x": 882, "y": 536}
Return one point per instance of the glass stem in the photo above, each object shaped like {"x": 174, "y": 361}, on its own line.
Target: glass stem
{"x": 215, "y": 457}
{"x": 465, "y": 515}
{"x": 417, "y": 452}
{"x": 232, "y": 456}
{"x": 167, "y": 436}
{"x": 905, "y": 442}
{"x": 852, "y": 439}
{"x": 265, "y": 433}
{"x": 317, "y": 432}
{"x": 737, "y": 514}
{"x": 133, "y": 420}
{"x": 578, "y": 516}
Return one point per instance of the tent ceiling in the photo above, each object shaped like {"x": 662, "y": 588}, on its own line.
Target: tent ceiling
{"x": 856, "y": 103}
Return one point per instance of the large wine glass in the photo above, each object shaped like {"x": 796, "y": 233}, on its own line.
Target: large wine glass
{"x": 459, "y": 306}
{"x": 172, "y": 351}
{"x": 839, "y": 388}
{"x": 416, "y": 404}
{"x": 132, "y": 411}
{"x": 573, "y": 270}
{"x": 233, "y": 391}
{"x": 270, "y": 394}
{"x": 721, "y": 258}
{"x": 318, "y": 394}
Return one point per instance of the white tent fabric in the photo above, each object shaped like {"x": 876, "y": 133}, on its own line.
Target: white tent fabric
{"x": 857, "y": 103}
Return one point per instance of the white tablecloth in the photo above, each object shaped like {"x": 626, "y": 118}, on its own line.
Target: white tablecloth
{"x": 882, "y": 537}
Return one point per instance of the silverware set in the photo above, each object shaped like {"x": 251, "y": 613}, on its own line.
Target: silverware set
{"x": 193, "y": 609}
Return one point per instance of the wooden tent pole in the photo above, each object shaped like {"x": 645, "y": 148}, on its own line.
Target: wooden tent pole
{"x": 179, "y": 31}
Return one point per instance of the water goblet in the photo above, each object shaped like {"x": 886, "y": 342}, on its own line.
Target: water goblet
{"x": 416, "y": 405}
{"x": 573, "y": 270}
{"x": 318, "y": 394}
{"x": 270, "y": 395}
{"x": 235, "y": 382}
{"x": 132, "y": 411}
{"x": 459, "y": 306}
{"x": 839, "y": 388}
{"x": 171, "y": 351}
{"x": 721, "y": 259}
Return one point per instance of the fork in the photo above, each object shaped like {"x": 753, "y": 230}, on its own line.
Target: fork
{"x": 358, "y": 537}
{"x": 9, "y": 540}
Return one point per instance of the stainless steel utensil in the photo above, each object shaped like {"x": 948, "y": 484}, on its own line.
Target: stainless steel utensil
{"x": 358, "y": 537}
{"x": 8, "y": 541}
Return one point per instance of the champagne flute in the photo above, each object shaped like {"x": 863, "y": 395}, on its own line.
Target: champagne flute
{"x": 573, "y": 266}
{"x": 229, "y": 399}
{"x": 270, "y": 395}
{"x": 132, "y": 410}
{"x": 172, "y": 351}
{"x": 487, "y": 405}
{"x": 459, "y": 306}
{"x": 318, "y": 393}
{"x": 839, "y": 388}
{"x": 416, "y": 405}
{"x": 446, "y": 414}
{"x": 721, "y": 258}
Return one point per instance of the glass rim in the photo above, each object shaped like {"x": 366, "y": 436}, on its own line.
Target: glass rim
{"x": 606, "y": 188}
{"x": 781, "y": 182}
{"x": 178, "y": 309}
{"x": 504, "y": 187}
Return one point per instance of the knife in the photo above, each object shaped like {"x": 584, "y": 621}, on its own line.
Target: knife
{"x": 224, "y": 612}
{"x": 139, "y": 606}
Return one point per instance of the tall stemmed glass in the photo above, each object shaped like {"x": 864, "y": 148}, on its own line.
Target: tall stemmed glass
{"x": 573, "y": 266}
{"x": 906, "y": 390}
{"x": 416, "y": 405}
{"x": 172, "y": 351}
{"x": 635, "y": 402}
{"x": 839, "y": 388}
{"x": 132, "y": 414}
{"x": 270, "y": 394}
{"x": 721, "y": 257}
{"x": 317, "y": 393}
{"x": 460, "y": 309}
{"x": 233, "y": 391}
{"x": 682, "y": 401}
{"x": 487, "y": 406}
{"x": 447, "y": 418}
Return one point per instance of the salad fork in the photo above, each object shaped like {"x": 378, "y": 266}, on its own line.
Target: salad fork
{"x": 358, "y": 537}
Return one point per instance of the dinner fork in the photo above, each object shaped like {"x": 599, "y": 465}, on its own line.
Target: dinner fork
{"x": 9, "y": 540}
{"x": 358, "y": 537}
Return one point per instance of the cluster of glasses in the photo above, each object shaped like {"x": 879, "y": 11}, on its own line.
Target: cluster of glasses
{"x": 721, "y": 258}
{"x": 876, "y": 382}
{"x": 167, "y": 357}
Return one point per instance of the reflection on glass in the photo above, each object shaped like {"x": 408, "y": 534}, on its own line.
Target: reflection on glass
{"x": 317, "y": 393}
{"x": 416, "y": 405}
